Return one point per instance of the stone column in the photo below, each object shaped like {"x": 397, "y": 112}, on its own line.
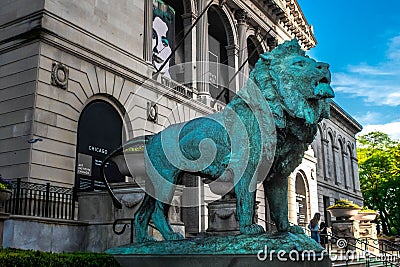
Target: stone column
{"x": 191, "y": 204}
{"x": 292, "y": 208}
{"x": 190, "y": 50}
{"x": 148, "y": 30}
{"x": 232, "y": 51}
{"x": 202, "y": 56}
{"x": 242, "y": 18}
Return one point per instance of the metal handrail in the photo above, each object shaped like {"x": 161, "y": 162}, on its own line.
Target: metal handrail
{"x": 366, "y": 244}
{"x": 121, "y": 221}
{"x": 390, "y": 244}
{"x": 365, "y": 250}
{"x": 126, "y": 222}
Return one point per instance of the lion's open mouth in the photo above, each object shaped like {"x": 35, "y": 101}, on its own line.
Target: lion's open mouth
{"x": 322, "y": 81}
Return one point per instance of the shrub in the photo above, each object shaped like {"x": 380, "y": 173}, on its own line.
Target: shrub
{"x": 5, "y": 184}
{"x": 344, "y": 204}
{"x": 366, "y": 210}
{"x": 29, "y": 258}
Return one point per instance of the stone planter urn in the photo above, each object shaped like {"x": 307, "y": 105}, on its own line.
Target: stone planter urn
{"x": 366, "y": 216}
{"x": 131, "y": 164}
{"x": 5, "y": 195}
{"x": 344, "y": 213}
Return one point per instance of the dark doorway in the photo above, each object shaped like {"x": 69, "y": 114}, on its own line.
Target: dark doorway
{"x": 99, "y": 133}
{"x": 301, "y": 200}
{"x": 327, "y": 215}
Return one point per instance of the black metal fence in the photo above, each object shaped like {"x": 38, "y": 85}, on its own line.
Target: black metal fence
{"x": 44, "y": 200}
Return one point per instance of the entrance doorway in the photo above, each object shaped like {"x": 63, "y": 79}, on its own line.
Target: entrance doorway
{"x": 99, "y": 133}
{"x": 301, "y": 200}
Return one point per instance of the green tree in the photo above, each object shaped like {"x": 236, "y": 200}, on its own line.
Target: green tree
{"x": 379, "y": 164}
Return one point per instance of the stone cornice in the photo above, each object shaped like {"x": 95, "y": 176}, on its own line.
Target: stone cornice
{"x": 283, "y": 14}
{"x": 257, "y": 14}
{"x": 344, "y": 118}
{"x": 296, "y": 23}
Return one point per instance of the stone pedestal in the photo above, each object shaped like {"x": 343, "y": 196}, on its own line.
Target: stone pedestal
{"x": 240, "y": 250}
{"x": 217, "y": 261}
{"x": 3, "y": 217}
{"x": 222, "y": 219}
{"x": 348, "y": 230}
{"x": 97, "y": 207}
{"x": 368, "y": 233}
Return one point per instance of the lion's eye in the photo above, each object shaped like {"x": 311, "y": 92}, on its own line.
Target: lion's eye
{"x": 298, "y": 64}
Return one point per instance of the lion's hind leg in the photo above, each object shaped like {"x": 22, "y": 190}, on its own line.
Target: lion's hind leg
{"x": 142, "y": 219}
{"x": 160, "y": 220}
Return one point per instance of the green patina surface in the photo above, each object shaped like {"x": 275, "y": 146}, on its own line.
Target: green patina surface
{"x": 263, "y": 131}
{"x": 241, "y": 244}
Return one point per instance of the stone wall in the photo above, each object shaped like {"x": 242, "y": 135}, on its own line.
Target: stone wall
{"x": 26, "y": 232}
{"x": 18, "y": 79}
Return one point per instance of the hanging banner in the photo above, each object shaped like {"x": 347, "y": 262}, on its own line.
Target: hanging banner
{"x": 163, "y": 35}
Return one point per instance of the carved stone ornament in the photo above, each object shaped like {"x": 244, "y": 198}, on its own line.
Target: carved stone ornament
{"x": 242, "y": 16}
{"x": 59, "y": 75}
{"x": 152, "y": 112}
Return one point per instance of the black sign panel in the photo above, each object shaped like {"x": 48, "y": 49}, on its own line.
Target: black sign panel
{"x": 99, "y": 133}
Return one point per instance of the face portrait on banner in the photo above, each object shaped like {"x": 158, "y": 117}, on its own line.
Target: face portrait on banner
{"x": 163, "y": 35}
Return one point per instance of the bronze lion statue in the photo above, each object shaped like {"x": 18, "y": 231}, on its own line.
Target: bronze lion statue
{"x": 261, "y": 135}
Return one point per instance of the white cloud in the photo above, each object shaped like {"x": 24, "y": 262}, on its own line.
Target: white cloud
{"x": 392, "y": 129}
{"x": 379, "y": 84}
{"x": 394, "y": 48}
{"x": 368, "y": 118}
{"x": 370, "y": 70}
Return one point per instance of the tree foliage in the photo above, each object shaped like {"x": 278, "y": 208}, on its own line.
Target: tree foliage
{"x": 379, "y": 165}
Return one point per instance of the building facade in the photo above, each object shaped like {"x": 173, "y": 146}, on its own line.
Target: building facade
{"x": 78, "y": 77}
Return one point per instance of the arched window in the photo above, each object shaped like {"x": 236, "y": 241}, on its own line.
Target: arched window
{"x": 351, "y": 167}
{"x": 331, "y": 158}
{"x": 100, "y": 131}
{"x": 343, "y": 164}
{"x": 319, "y": 151}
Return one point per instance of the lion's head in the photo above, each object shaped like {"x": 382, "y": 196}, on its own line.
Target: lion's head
{"x": 294, "y": 84}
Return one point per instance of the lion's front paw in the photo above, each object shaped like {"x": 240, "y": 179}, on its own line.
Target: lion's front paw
{"x": 295, "y": 229}
{"x": 252, "y": 229}
{"x": 174, "y": 236}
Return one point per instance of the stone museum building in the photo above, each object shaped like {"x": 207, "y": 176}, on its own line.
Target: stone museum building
{"x": 80, "y": 78}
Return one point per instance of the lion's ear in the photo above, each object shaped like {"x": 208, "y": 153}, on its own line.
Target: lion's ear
{"x": 266, "y": 58}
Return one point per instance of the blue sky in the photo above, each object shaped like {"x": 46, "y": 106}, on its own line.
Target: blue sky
{"x": 361, "y": 42}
